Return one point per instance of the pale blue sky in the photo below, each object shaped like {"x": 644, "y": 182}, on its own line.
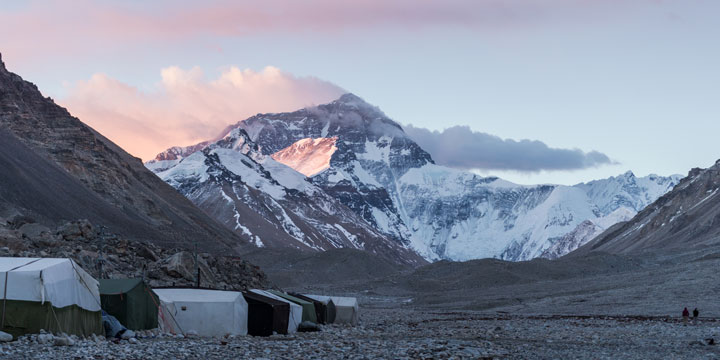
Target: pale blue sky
{"x": 636, "y": 80}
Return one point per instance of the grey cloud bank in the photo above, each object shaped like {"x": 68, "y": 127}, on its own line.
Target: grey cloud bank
{"x": 461, "y": 147}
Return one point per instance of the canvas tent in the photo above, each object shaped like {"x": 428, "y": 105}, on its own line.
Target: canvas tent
{"x": 295, "y": 315}
{"x": 308, "y": 308}
{"x": 266, "y": 315}
{"x": 52, "y": 294}
{"x": 131, "y": 302}
{"x": 346, "y": 308}
{"x": 325, "y": 312}
{"x": 208, "y": 312}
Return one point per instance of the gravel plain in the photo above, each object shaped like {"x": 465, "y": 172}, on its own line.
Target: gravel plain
{"x": 407, "y": 333}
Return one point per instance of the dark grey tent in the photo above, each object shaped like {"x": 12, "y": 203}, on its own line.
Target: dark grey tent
{"x": 266, "y": 315}
{"x": 131, "y": 302}
{"x": 325, "y": 310}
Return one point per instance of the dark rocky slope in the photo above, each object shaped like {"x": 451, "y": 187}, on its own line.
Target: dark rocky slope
{"x": 101, "y": 182}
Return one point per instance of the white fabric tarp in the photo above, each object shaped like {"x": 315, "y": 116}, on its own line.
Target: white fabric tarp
{"x": 62, "y": 282}
{"x": 295, "y": 310}
{"x": 208, "y": 312}
{"x": 346, "y": 308}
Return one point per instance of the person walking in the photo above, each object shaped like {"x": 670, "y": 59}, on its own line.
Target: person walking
{"x": 696, "y": 313}
{"x": 686, "y": 315}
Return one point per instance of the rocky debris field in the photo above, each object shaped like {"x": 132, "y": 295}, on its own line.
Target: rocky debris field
{"x": 406, "y": 333}
{"x": 79, "y": 240}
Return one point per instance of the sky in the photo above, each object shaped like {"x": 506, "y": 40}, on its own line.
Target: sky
{"x": 533, "y": 91}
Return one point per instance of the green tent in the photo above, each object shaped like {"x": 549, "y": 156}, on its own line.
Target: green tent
{"x": 308, "y": 313}
{"x": 130, "y": 301}
{"x": 52, "y": 294}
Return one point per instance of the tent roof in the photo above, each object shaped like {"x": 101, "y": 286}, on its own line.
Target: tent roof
{"x": 262, "y": 298}
{"x": 338, "y": 300}
{"x": 118, "y": 286}
{"x": 290, "y": 297}
{"x": 196, "y": 295}
{"x": 60, "y": 281}
{"x": 28, "y": 264}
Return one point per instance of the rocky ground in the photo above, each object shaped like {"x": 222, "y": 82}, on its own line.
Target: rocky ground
{"x": 401, "y": 332}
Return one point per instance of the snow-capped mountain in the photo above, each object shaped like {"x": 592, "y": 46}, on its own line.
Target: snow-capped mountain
{"x": 683, "y": 219}
{"x": 269, "y": 203}
{"x": 354, "y": 153}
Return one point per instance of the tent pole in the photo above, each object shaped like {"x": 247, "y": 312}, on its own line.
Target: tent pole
{"x": 197, "y": 266}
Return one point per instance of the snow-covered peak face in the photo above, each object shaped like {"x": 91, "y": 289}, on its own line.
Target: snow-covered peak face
{"x": 353, "y": 101}
{"x": 308, "y": 156}
{"x": 179, "y": 152}
{"x": 239, "y": 140}
{"x": 627, "y": 190}
{"x": 361, "y": 129}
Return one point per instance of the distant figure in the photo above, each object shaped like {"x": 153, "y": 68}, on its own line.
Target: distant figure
{"x": 695, "y": 314}
{"x": 686, "y": 315}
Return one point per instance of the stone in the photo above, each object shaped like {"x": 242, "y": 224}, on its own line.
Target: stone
{"x": 44, "y": 338}
{"x": 147, "y": 253}
{"x": 61, "y": 341}
{"x": 5, "y": 337}
{"x": 33, "y": 230}
{"x": 182, "y": 265}
{"x": 308, "y": 326}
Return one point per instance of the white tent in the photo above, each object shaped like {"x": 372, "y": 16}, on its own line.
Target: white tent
{"x": 346, "y": 308}
{"x": 208, "y": 312}
{"x": 295, "y": 310}
{"x": 54, "y": 294}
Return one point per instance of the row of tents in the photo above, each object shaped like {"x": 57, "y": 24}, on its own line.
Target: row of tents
{"x": 59, "y": 296}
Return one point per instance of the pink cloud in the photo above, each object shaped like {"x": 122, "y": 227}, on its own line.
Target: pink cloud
{"x": 186, "y": 107}
{"x": 53, "y": 27}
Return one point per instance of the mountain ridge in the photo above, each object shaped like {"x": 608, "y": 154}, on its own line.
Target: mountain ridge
{"x": 380, "y": 173}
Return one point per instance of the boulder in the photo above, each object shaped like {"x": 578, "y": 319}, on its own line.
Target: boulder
{"x": 34, "y": 230}
{"x": 147, "y": 253}
{"x": 81, "y": 230}
{"x": 19, "y": 220}
{"x": 182, "y": 265}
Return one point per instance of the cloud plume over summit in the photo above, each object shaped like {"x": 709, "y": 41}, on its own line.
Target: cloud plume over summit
{"x": 461, "y": 147}
{"x": 186, "y": 107}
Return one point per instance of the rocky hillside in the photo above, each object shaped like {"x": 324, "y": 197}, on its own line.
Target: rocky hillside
{"x": 356, "y": 154}
{"x": 686, "y": 217}
{"x": 91, "y": 177}
{"x": 79, "y": 240}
